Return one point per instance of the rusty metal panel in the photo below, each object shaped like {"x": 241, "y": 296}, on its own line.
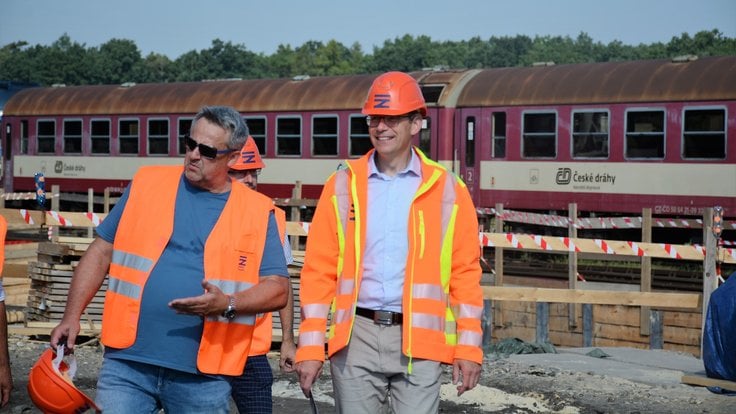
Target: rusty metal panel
{"x": 704, "y": 79}
{"x": 319, "y": 93}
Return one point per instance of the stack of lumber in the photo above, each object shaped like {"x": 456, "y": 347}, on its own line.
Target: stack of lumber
{"x": 15, "y": 278}
{"x": 51, "y": 276}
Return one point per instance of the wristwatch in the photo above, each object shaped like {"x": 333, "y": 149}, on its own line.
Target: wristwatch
{"x": 229, "y": 313}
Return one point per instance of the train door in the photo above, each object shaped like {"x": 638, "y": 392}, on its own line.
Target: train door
{"x": 5, "y": 152}
{"x": 427, "y": 139}
{"x": 467, "y": 162}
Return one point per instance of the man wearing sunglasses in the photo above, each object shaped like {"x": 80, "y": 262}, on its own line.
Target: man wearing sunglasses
{"x": 190, "y": 259}
{"x": 391, "y": 263}
{"x": 252, "y": 391}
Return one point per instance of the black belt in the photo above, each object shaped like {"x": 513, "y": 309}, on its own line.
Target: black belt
{"x": 380, "y": 317}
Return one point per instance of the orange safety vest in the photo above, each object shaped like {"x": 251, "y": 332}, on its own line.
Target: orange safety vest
{"x": 442, "y": 300}
{"x": 263, "y": 333}
{"x": 232, "y": 256}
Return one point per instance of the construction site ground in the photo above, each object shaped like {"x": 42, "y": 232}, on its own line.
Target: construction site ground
{"x": 570, "y": 381}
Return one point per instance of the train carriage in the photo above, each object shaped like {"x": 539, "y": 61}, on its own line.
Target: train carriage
{"x": 613, "y": 137}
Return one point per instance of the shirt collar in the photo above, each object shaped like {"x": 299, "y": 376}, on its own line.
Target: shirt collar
{"x": 414, "y": 167}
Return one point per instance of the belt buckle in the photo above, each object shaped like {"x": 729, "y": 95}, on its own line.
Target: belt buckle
{"x": 382, "y": 317}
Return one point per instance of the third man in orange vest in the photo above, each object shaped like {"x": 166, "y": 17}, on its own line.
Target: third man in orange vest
{"x": 252, "y": 390}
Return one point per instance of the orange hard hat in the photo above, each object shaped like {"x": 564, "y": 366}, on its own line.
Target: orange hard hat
{"x": 394, "y": 93}
{"x": 249, "y": 158}
{"x": 51, "y": 388}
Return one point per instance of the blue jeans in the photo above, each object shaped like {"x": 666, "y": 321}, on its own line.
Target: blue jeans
{"x": 252, "y": 390}
{"x": 132, "y": 387}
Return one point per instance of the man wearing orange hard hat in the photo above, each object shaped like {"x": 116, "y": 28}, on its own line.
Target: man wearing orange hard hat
{"x": 389, "y": 264}
{"x": 251, "y": 391}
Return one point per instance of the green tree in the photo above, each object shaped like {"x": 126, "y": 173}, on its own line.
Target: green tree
{"x": 118, "y": 61}
{"x": 64, "y": 62}
{"x": 223, "y": 60}
{"x": 14, "y": 63}
{"x": 508, "y": 51}
{"x": 281, "y": 62}
{"x": 404, "y": 54}
{"x": 156, "y": 68}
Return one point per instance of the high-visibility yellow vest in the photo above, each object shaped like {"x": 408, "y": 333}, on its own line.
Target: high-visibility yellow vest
{"x": 442, "y": 300}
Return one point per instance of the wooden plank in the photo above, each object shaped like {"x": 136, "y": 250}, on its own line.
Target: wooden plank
{"x": 702, "y": 380}
{"x": 601, "y": 297}
{"x": 48, "y": 326}
{"x": 53, "y": 249}
{"x": 682, "y": 319}
{"x": 18, "y": 219}
{"x": 72, "y": 219}
{"x": 14, "y": 271}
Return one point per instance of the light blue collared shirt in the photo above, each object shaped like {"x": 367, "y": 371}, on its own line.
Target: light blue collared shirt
{"x": 387, "y": 240}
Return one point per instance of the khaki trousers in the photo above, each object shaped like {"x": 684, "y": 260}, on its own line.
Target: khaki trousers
{"x": 370, "y": 374}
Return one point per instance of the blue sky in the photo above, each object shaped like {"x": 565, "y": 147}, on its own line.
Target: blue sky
{"x": 174, "y": 27}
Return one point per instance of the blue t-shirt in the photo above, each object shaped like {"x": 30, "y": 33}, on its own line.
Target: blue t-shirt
{"x": 166, "y": 338}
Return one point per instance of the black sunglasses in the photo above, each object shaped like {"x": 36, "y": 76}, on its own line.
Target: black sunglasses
{"x": 204, "y": 150}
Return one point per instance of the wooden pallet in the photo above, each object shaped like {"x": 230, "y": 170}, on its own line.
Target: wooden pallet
{"x": 51, "y": 276}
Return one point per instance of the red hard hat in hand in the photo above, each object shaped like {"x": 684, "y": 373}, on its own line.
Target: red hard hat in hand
{"x": 51, "y": 388}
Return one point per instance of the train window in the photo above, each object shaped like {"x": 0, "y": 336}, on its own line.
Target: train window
{"x": 360, "y": 141}
{"x": 288, "y": 136}
{"x": 257, "y": 129}
{"x": 425, "y": 137}
{"x": 46, "y": 135}
{"x": 590, "y": 134}
{"x": 100, "y": 136}
{"x": 128, "y": 136}
{"x": 324, "y": 135}
{"x": 704, "y": 133}
{"x": 72, "y": 137}
{"x": 644, "y": 134}
{"x": 498, "y": 120}
{"x": 432, "y": 93}
{"x": 158, "y": 136}
{"x": 540, "y": 135}
{"x": 185, "y": 125}
{"x": 24, "y": 137}
{"x": 470, "y": 141}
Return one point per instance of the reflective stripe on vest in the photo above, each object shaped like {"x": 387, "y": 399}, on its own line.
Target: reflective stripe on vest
{"x": 448, "y": 214}
{"x": 316, "y": 311}
{"x": 132, "y": 261}
{"x": 124, "y": 288}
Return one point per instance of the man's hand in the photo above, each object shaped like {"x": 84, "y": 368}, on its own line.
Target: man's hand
{"x": 466, "y": 373}
{"x": 65, "y": 333}
{"x": 211, "y": 302}
{"x": 308, "y": 372}
{"x": 286, "y": 359}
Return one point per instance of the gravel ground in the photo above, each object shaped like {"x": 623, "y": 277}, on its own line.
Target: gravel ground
{"x": 507, "y": 386}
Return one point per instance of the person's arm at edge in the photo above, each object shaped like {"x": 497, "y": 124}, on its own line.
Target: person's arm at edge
{"x": 318, "y": 281}
{"x": 6, "y": 377}
{"x": 288, "y": 346}
{"x": 88, "y": 277}
{"x": 465, "y": 284}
